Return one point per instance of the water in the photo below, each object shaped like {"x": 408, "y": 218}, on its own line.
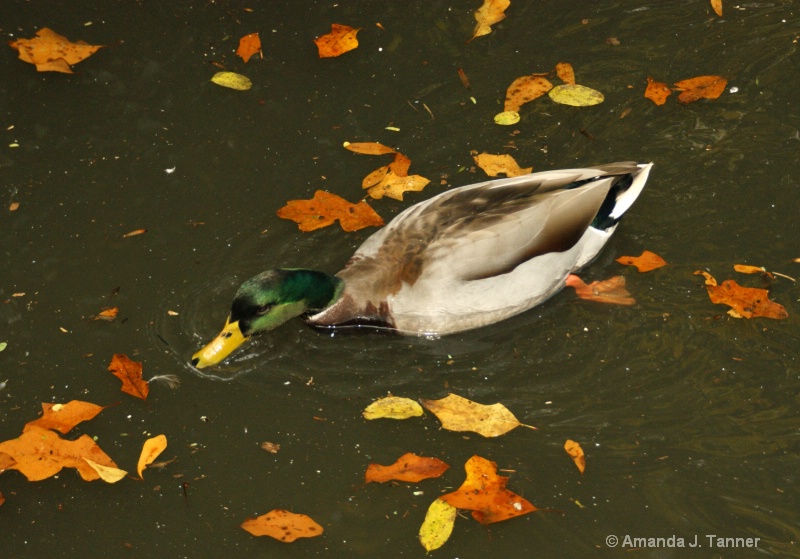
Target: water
{"x": 689, "y": 418}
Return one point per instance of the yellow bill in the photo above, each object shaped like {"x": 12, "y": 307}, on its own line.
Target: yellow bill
{"x": 220, "y": 347}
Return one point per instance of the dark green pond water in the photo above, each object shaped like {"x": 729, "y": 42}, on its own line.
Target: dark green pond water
{"x": 690, "y": 419}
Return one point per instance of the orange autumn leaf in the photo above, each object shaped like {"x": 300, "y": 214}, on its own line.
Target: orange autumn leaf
{"x": 108, "y": 314}
{"x": 746, "y": 302}
{"x": 51, "y": 52}
{"x": 485, "y": 494}
{"x": 283, "y": 525}
{"x": 63, "y": 417}
{"x": 657, "y": 92}
{"x": 716, "y": 5}
{"x": 409, "y": 467}
{"x": 150, "y": 450}
{"x": 41, "y": 453}
{"x": 565, "y": 72}
{"x": 748, "y": 269}
{"x": 701, "y": 87}
{"x": 504, "y": 164}
{"x": 368, "y": 148}
{"x": 325, "y": 208}
{"x": 576, "y": 453}
{"x": 645, "y": 262}
{"x": 525, "y": 89}
{"x": 394, "y": 186}
{"x": 340, "y": 40}
{"x": 248, "y": 46}
{"x": 610, "y": 291}
{"x": 491, "y": 12}
{"x": 6, "y": 461}
{"x": 130, "y": 373}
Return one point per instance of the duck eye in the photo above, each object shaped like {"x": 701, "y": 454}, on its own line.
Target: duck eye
{"x": 264, "y": 309}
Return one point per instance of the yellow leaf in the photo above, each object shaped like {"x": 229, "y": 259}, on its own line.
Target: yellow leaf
{"x": 393, "y": 407}
{"x": 576, "y": 453}
{"x": 459, "y": 414}
{"x": 394, "y": 186}
{"x": 107, "y": 473}
{"x": 488, "y": 14}
{"x": 506, "y": 118}
{"x": 504, "y": 164}
{"x": 150, "y": 451}
{"x": 576, "y": 95}
{"x": 438, "y": 525}
{"x": 232, "y": 80}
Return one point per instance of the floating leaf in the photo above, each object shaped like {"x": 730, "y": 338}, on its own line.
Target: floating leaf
{"x": 232, "y": 80}
{"x": 409, "y": 467}
{"x": 610, "y": 291}
{"x": 646, "y": 262}
{"x": 130, "y": 373}
{"x": 108, "y": 314}
{"x": 51, "y": 52}
{"x": 393, "y": 407}
{"x": 747, "y": 302}
{"x": 107, "y": 473}
{"x": 657, "y": 92}
{"x": 150, "y": 450}
{"x": 394, "y": 186}
{"x": 485, "y": 494}
{"x": 504, "y": 164}
{"x": 459, "y": 414}
{"x": 248, "y": 46}
{"x": 63, "y": 417}
{"x": 506, "y": 118}
{"x": 716, "y": 5}
{"x": 368, "y": 148}
{"x": 491, "y": 12}
{"x": 576, "y": 95}
{"x": 340, "y": 40}
{"x": 283, "y": 525}
{"x": 701, "y": 87}
{"x": 41, "y": 453}
{"x": 325, "y": 208}
{"x": 747, "y": 269}
{"x": 438, "y": 524}
{"x": 576, "y": 453}
{"x": 565, "y": 72}
{"x": 525, "y": 89}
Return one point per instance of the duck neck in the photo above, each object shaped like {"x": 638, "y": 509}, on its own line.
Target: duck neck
{"x": 318, "y": 289}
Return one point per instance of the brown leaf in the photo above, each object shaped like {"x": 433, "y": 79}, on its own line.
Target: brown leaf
{"x": 248, "y": 46}
{"x": 130, "y": 373}
{"x": 576, "y": 453}
{"x": 41, "y": 453}
{"x": 340, "y": 40}
{"x": 409, "y": 467}
{"x": 283, "y": 525}
{"x": 657, "y": 92}
{"x": 459, "y": 414}
{"x": 565, "y": 72}
{"x": 51, "y": 52}
{"x": 325, "y": 208}
{"x": 63, "y": 417}
{"x": 491, "y": 12}
{"x": 485, "y": 494}
{"x": 747, "y": 302}
{"x": 505, "y": 164}
{"x": 701, "y": 87}
{"x": 610, "y": 291}
{"x": 368, "y": 148}
{"x": 645, "y": 262}
{"x": 525, "y": 89}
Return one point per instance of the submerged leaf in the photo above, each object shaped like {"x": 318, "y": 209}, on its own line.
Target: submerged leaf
{"x": 459, "y": 414}
{"x": 325, "y": 208}
{"x": 610, "y": 291}
{"x": 393, "y": 407}
{"x": 438, "y": 524}
{"x": 409, "y": 467}
{"x": 283, "y": 525}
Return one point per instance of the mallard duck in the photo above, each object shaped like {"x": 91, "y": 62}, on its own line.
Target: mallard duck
{"x": 465, "y": 258}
